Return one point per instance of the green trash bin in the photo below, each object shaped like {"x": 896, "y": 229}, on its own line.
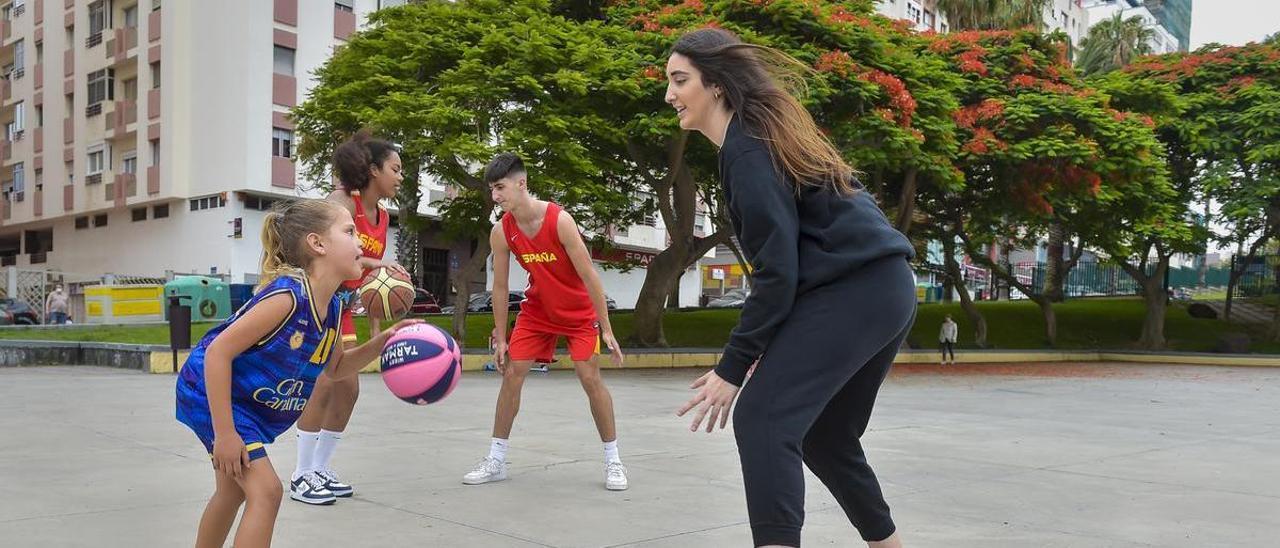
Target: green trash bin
{"x": 208, "y": 298}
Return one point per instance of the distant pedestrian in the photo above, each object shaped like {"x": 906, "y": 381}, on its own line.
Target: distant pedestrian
{"x": 55, "y": 306}
{"x": 947, "y": 338}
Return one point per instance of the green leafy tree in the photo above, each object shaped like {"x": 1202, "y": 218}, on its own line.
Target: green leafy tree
{"x": 455, "y": 83}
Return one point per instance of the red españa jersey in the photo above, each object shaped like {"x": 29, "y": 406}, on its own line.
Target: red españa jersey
{"x": 373, "y": 236}
{"x": 556, "y": 292}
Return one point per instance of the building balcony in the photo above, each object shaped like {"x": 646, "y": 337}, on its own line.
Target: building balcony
{"x": 121, "y": 187}
{"x": 120, "y": 117}
{"x": 122, "y": 42}
{"x": 282, "y": 172}
{"x": 153, "y": 103}
{"x": 153, "y": 180}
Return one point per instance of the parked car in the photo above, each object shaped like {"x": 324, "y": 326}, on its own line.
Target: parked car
{"x": 734, "y": 298}
{"x": 20, "y": 312}
{"x": 424, "y": 302}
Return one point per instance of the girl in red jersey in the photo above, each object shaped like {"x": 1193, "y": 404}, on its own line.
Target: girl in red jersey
{"x": 565, "y": 299}
{"x": 369, "y": 170}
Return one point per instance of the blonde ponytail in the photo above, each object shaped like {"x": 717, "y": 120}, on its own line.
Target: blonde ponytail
{"x": 284, "y": 234}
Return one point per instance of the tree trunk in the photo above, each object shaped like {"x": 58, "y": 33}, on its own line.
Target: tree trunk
{"x": 1155, "y": 299}
{"x": 461, "y": 280}
{"x": 966, "y": 304}
{"x": 1275, "y": 323}
{"x": 1055, "y": 268}
{"x": 1050, "y": 319}
{"x": 673, "y": 300}
{"x": 907, "y": 202}
{"x": 663, "y": 274}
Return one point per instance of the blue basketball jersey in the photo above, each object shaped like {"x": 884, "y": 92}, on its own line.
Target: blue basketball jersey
{"x": 272, "y": 380}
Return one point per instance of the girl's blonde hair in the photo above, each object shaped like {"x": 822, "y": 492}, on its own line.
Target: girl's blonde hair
{"x": 284, "y": 236}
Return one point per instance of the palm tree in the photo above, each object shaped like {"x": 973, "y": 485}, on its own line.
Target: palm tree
{"x": 1114, "y": 43}
{"x": 993, "y": 14}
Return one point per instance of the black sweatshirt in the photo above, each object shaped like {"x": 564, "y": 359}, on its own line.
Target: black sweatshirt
{"x": 794, "y": 244}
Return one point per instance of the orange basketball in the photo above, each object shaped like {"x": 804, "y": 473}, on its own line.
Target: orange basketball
{"x": 386, "y": 294}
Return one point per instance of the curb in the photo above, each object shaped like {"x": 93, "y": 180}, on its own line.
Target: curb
{"x": 159, "y": 359}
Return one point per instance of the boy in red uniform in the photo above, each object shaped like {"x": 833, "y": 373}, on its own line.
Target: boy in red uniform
{"x": 565, "y": 299}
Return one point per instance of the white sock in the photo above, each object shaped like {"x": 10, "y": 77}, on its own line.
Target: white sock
{"x": 306, "y": 452}
{"x": 611, "y": 452}
{"x": 498, "y": 450}
{"x": 324, "y": 448}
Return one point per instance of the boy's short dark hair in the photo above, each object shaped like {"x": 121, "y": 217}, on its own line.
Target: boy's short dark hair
{"x": 501, "y": 166}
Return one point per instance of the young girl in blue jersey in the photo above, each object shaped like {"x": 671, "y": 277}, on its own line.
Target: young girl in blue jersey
{"x": 249, "y": 378}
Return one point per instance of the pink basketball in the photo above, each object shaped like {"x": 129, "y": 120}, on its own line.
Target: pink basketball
{"x": 421, "y": 364}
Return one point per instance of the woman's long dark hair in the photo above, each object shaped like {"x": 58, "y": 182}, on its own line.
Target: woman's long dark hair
{"x": 758, "y": 83}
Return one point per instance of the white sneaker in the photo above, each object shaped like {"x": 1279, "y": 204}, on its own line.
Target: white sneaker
{"x": 615, "y": 476}
{"x": 488, "y": 470}
{"x": 309, "y": 488}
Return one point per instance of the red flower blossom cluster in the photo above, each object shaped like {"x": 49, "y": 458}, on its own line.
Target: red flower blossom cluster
{"x": 944, "y": 43}
{"x": 899, "y": 97}
{"x": 1029, "y": 81}
{"x": 841, "y": 15}
{"x": 836, "y": 61}
{"x": 971, "y": 61}
{"x": 982, "y": 142}
{"x": 987, "y": 110}
{"x": 652, "y": 72}
{"x": 1236, "y": 84}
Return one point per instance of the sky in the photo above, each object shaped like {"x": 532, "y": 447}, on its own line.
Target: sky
{"x": 1233, "y": 22}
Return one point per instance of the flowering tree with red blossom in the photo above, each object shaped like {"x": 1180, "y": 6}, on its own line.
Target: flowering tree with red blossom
{"x": 1225, "y": 144}
{"x": 1039, "y": 149}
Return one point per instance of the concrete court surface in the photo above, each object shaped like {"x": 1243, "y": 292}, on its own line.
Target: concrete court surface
{"x": 1010, "y": 455}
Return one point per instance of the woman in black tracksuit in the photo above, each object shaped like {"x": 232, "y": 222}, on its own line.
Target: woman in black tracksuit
{"x": 832, "y": 293}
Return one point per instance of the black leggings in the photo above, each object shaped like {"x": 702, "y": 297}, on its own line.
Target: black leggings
{"x": 948, "y": 346}
{"x": 811, "y": 396}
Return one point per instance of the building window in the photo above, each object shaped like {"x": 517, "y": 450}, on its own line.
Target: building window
{"x": 929, "y": 19}
{"x": 71, "y": 172}
{"x": 129, "y": 88}
{"x": 345, "y": 5}
{"x": 129, "y": 164}
{"x": 160, "y": 212}
{"x": 19, "y": 179}
{"x": 39, "y": 179}
{"x": 39, "y": 52}
{"x": 97, "y": 161}
{"x": 155, "y": 5}
{"x": 258, "y": 203}
{"x": 155, "y": 152}
{"x": 71, "y": 34}
{"x": 281, "y": 143}
{"x": 155, "y": 75}
{"x": 15, "y": 128}
{"x": 913, "y": 12}
{"x": 139, "y": 214}
{"x": 390, "y": 3}
{"x": 98, "y": 17}
{"x": 101, "y": 85}
{"x": 284, "y": 60}
{"x": 208, "y": 202}
{"x": 131, "y": 17}
{"x": 100, "y": 220}
{"x": 82, "y": 223}
{"x": 19, "y": 58}
{"x": 39, "y": 115}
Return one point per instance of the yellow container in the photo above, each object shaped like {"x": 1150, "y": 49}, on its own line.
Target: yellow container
{"x": 112, "y": 304}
